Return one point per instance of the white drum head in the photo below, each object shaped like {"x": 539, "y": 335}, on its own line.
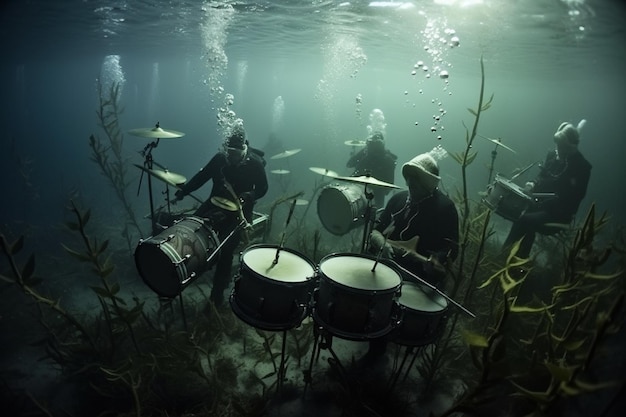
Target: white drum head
{"x": 414, "y": 297}
{"x": 356, "y": 272}
{"x": 290, "y": 267}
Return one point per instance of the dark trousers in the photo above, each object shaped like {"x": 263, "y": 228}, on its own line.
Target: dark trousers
{"x": 223, "y": 223}
{"x": 527, "y": 226}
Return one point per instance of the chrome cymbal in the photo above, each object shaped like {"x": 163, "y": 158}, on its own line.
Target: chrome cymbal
{"x": 356, "y": 143}
{"x": 280, "y": 171}
{"x": 166, "y": 176}
{"x": 224, "y": 203}
{"x": 286, "y": 154}
{"x": 364, "y": 179}
{"x": 497, "y": 142}
{"x": 324, "y": 171}
{"x": 156, "y": 133}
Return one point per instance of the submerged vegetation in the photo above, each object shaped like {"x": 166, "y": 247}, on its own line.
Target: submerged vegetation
{"x": 537, "y": 346}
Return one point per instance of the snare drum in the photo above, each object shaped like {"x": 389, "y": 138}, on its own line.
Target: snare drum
{"x": 171, "y": 260}
{"x": 420, "y": 315}
{"x": 507, "y": 199}
{"x": 273, "y": 293}
{"x": 354, "y": 302}
{"x": 341, "y": 207}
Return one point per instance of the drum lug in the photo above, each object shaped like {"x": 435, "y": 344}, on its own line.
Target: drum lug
{"x": 189, "y": 278}
{"x": 185, "y": 259}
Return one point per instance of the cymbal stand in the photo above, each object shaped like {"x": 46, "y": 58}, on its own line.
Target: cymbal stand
{"x": 494, "y": 154}
{"x": 368, "y": 217}
{"x": 148, "y": 163}
{"x": 323, "y": 339}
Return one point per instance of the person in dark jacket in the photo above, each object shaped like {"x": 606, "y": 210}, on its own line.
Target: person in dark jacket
{"x": 418, "y": 229}
{"x": 238, "y": 174}
{"x": 422, "y": 216}
{"x": 564, "y": 177}
{"x": 376, "y": 161}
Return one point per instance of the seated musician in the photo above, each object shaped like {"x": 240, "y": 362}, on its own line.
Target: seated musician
{"x": 563, "y": 177}
{"x": 377, "y": 161}
{"x": 418, "y": 228}
{"x": 238, "y": 173}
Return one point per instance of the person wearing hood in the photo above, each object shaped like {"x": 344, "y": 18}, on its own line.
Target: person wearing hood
{"x": 564, "y": 176}
{"x": 418, "y": 229}
{"x": 238, "y": 173}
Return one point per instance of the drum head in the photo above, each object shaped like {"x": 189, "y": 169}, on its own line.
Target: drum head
{"x": 340, "y": 206}
{"x": 157, "y": 268}
{"x": 418, "y": 298}
{"x": 512, "y": 187}
{"x": 355, "y": 271}
{"x": 290, "y": 267}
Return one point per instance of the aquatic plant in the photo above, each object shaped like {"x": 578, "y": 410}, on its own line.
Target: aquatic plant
{"x": 541, "y": 355}
{"x": 109, "y": 155}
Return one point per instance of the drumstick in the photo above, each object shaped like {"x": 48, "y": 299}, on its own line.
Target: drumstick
{"x": 432, "y": 287}
{"x": 284, "y": 235}
{"x": 219, "y": 247}
{"x": 380, "y": 252}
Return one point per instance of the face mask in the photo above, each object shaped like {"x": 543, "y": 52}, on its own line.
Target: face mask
{"x": 235, "y": 155}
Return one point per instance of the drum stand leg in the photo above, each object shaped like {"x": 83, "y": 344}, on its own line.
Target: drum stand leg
{"x": 408, "y": 369}
{"x": 182, "y": 310}
{"x": 281, "y": 367}
{"x": 398, "y": 371}
{"x": 308, "y": 379}
{"x": 323, "y": 340}
{"x": 369, "y": 219}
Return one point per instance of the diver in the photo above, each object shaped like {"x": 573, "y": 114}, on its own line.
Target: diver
{"x": 376, "y": 161}
{"x": 238, "y": 174}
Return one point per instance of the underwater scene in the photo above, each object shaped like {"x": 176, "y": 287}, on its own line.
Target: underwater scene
{"x": 313, "y": 208}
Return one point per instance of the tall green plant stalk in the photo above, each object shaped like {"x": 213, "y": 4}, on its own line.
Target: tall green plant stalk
{"x": 109, "y": 290}
{"x": 25, "y": 279}
{"x": 109, "y": 157}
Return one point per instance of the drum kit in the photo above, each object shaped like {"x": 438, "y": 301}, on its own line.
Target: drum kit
{"x": 503, "y": 196}
{"x": 174, "y": 256}
{"x": 351, "y": 296}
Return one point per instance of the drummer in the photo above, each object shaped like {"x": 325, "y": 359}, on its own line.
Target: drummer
{"x": 564, "y": 176}
{"x": 422, "y": 213}
{"x": 377, "y": 161}
{"x": 243, "y": 168}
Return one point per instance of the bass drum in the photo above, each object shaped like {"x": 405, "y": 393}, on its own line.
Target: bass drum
{"x": 354, "y": 302}
{"x": 341, "y": 207}
{"x": 421, "y": 313}
{"x": 274, "y": 287}
{"x": 173, "y": 259}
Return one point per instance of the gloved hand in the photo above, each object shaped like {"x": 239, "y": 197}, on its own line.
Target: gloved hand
{"x": 528, "y": 187}
{"x": 180, "y": 194}
{"x": 376, "y": 240}
{"x": 246, "y": 198}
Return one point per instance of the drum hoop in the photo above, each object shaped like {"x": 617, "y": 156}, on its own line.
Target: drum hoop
{"x": 363, "y": 256}
{"x": 307, "y": 279}
{"x": 507, "y": 184}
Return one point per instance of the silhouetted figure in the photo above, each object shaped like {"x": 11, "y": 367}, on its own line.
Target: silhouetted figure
{"x": 243, "y": 170}
{"x": 375, "y": 160}
{"x": 565, "y": 174}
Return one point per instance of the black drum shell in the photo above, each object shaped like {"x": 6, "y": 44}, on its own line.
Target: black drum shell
{"x": 270, "y": 303}
{"x": 351, "y": 312}
{"x": 173, "y": 259}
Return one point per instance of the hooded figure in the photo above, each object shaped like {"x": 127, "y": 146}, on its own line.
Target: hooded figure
{"x": 376, "y": 161}
{"x": 418, "y": 229}
{"x": 560, "y": 186}
{"x": 422, "y": 211}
